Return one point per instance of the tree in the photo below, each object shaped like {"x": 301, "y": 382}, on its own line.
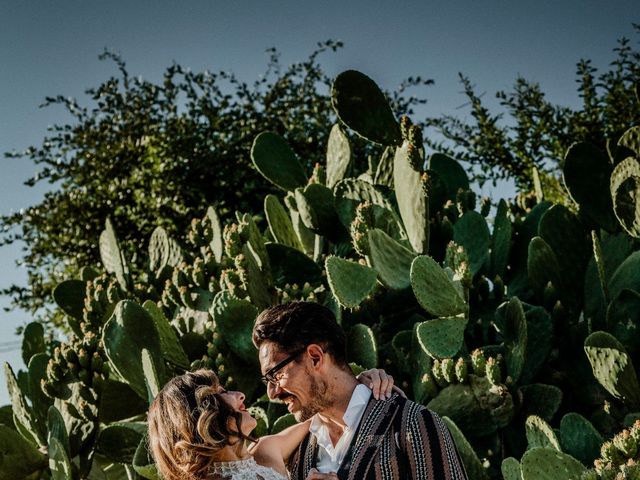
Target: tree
{"x": 531, "y": 132}
{"x": 147, "y": 155}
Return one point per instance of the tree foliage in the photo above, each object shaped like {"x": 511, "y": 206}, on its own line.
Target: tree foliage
{"x": 151, "y": 154}
{"x": 530, "y": 131}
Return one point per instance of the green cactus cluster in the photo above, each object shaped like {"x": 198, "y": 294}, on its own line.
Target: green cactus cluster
{"x": 83, "y": 358}
{"x": 619, "y": 457}
{"x": 516, "y": 321}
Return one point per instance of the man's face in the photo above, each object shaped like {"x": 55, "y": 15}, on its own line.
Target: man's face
{"x": 298, "y": 383}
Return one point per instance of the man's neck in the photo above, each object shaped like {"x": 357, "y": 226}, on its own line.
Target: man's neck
{"x": 343, "y": 385}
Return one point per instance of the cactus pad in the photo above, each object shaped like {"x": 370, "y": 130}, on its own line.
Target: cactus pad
{"x": 500, "y": 240}
{"x": 510, "y": 469}
{"x": 163, "y": 251}
{"x": 361, "y": 106}
{"x": 514, "y": 332}
{"x": 26, "y": 421}
{"x": 283, "y": 422}
{"x": 542, "y": 266}
{"x": 548, "y": 464}
{"x": 361, "y": 346}
{"x": 540, "y": 433}
{"x": 59, "y": 462}
{"x": 471, "y": 231}
{"x": 338, "y": 156}
{"x": 612, "y": 367}
{"x": 316, "y": 205}
{"x": 391, "y": 260}
{"x": 350, "y": 282}
{"x": 541, "y": 400}
{"x": 69, "y": 295}
{"x": 143, "y": 461}
{"x": 129, "y": 330}
{"x": 274, "y": 159}
{"x": 623, "y": 319}
{"x": 290, "y": 265}
{"x": 586, "y": 169}
{"x": 234, "y": 319}
{"x": 19, "y": 458}
{"x": 32, "y": 341}
{"x": 413, "y": 202}
{"x": 433, "y": 289}
{"x": 169, "y": 344}
{"x": 626, "y": 276}
{"x": 451, "y": 174}
{"x": 119, "y": 442}
{"x": 442, "y": 337}
{"x": 625, "y": 191}
{"x": 111, "y": 255}
{"x": 579, "y": 438}
{"x": 629, "y": 143}
{"x": 472, "y": 463}
{"x": 280, "y": 224}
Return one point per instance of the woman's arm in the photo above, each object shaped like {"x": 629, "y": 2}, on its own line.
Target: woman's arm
{"x": 274, "y": 450}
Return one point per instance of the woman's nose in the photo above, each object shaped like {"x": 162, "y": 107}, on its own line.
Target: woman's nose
{"x": 241, "y": 396}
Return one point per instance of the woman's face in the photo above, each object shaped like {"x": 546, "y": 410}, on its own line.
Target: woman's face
{"x": 236, "y": 401}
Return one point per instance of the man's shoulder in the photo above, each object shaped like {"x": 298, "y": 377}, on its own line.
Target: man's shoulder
{"x": 412, "y": 412}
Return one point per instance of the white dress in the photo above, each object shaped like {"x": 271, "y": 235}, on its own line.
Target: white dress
{"x": 246, "y": 469}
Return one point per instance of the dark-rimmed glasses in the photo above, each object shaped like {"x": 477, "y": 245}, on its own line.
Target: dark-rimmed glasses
{"x": 271, "y": 375}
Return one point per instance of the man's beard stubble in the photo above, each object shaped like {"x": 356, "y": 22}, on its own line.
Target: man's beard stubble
{"x": 319, "y": 400}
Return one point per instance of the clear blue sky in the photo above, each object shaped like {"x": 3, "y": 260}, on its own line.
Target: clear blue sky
{"x": 51, "y": 47}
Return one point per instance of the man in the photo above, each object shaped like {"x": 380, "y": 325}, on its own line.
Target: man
{"x": 303, "y": 358}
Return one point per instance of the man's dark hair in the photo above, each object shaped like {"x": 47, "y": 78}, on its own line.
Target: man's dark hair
{"x": 293, "y": 326}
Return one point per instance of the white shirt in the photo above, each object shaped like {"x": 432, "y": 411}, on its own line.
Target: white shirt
{"x": 330, "y": 457}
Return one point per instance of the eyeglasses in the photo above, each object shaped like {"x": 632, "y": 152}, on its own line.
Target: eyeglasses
{"x": 271, "y": 376}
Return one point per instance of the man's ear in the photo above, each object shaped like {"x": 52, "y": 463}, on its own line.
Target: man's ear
{"x": 316, "y": 353}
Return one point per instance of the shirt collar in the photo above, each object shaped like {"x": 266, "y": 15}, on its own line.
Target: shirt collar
{"x": 359, "y": 400}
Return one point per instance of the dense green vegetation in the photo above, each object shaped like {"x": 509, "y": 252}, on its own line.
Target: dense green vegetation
{"x": 529, "y": 131}
{"x": 516, "y": 320}
{"x": 522, "y": 336}
{"x": 151, "y": 154}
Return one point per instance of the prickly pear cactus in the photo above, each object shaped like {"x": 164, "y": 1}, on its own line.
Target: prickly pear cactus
{"x": 484, "y": 310}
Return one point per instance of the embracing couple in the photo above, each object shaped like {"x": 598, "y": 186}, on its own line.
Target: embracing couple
{"x": 350, "y": 428}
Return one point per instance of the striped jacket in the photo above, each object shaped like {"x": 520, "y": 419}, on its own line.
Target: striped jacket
{"x": 397, "y": 439}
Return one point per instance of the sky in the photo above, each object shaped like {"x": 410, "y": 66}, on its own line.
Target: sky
{"x": 50, "y": 48}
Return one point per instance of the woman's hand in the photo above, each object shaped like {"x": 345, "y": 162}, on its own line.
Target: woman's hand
{"x": 316, "y": 475}
{"x": 378, "y": 381}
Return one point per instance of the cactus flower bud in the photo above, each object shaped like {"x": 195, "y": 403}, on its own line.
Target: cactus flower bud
{"x": 436, "y": 371}
{"x": 626, "y": 444}
{"x": 589, "y": 475}
{"x": 448, "y": 369}
{"x": 319, "y": 175}
{"x": 405, "y": 124}
{"x": 461, "y": 370}
{"x": 492, "y": 369}
{"x": 478, "y": 362}
{"x": 83, "y": 358}
{"x": 430, "y": 386}
{"x": 97, "y": 362}
{"x": 610, "y": 454}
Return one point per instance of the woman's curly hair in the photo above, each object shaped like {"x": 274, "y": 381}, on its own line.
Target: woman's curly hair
{"x": 189, "y": 423}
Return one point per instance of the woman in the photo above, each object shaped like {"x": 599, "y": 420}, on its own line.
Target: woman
{"x": 198, "y": 430}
